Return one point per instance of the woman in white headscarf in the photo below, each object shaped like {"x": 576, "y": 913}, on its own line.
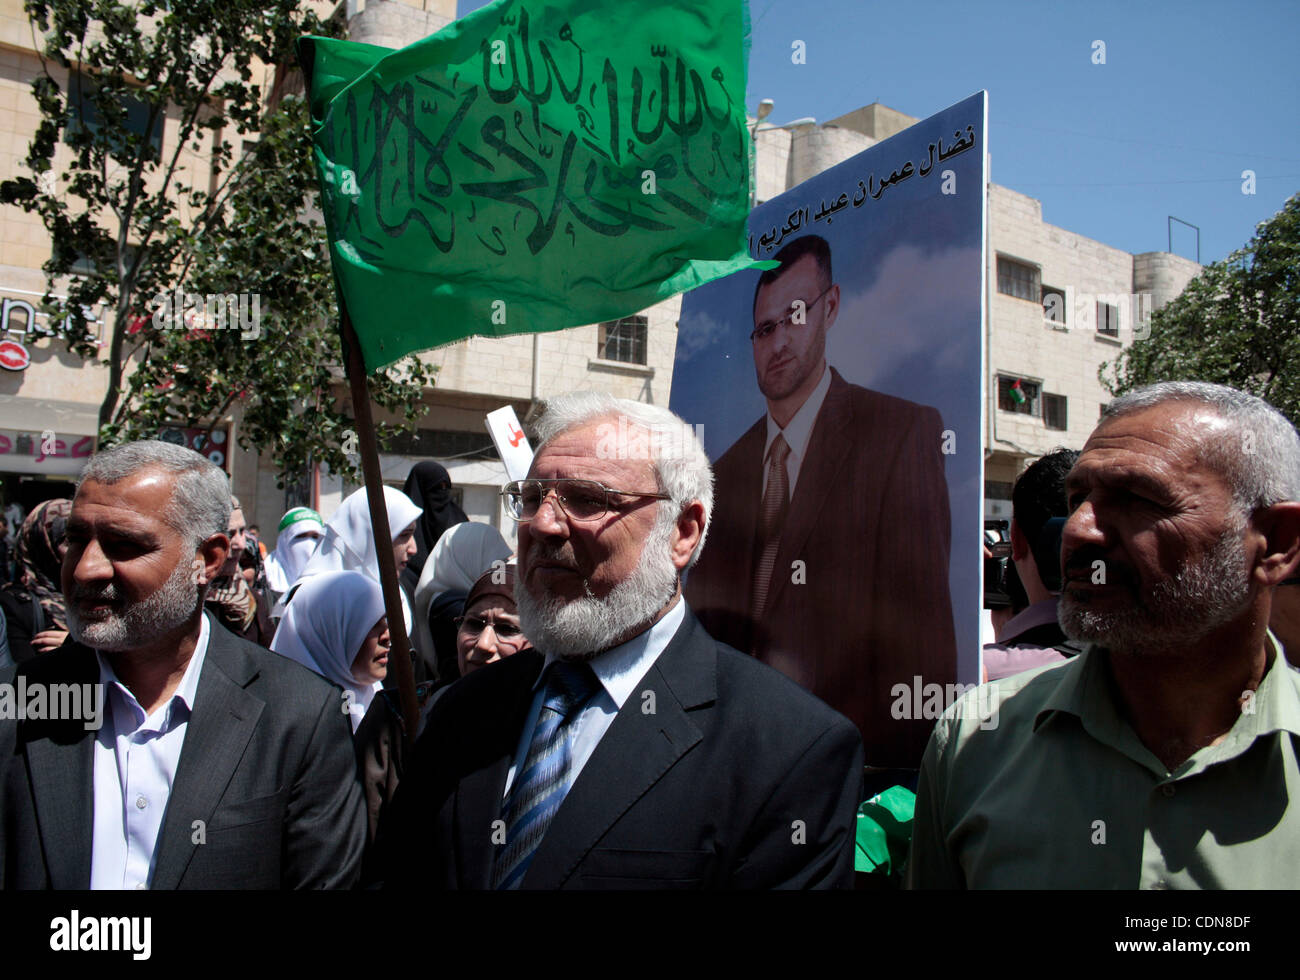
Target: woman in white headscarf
{"x": 296, "y": 539}
{"x": 459, "y": 559}
{"x": 336, "y": 627}
{"x": 349, "y": 543}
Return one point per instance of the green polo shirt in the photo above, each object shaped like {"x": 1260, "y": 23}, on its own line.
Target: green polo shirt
{"x": 1036, "y": 781}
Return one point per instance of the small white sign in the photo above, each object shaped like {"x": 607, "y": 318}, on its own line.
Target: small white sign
{"x": 511, "y": 443}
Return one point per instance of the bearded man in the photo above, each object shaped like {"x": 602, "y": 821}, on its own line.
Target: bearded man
{"x": 1167, "y": 754}
{"x": 208, "y": 762}
{"x": 628, "y": 749}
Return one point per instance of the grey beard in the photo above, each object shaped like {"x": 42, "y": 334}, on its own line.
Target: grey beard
{"x": 1177, "y": 613}
{"x": 169, "y": 607}
{"x": 581, "y": 629}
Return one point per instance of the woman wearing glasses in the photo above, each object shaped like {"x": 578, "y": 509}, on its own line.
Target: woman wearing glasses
{"x": 489, "y": 631}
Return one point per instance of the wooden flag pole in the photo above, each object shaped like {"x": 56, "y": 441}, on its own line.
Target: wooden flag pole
{"x": 399, "y": 656}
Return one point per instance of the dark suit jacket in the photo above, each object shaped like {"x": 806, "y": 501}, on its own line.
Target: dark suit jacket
{"x": 267, "y": 765}
{"x": 735, "y": 779}
{"x": 869, "y": 520}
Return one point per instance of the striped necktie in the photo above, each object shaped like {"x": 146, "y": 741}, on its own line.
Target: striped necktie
{"x": 542, "y": 783}
{"x": 775, "y": 504}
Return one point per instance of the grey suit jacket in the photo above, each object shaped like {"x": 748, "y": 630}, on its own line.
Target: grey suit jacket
{"x": 267, "y": 766}
{"x": 730, "y": 776}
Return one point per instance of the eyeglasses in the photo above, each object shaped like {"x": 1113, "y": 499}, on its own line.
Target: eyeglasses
{"x": 507, "y": 634}
{"x": 581, "y": 500}
{"x": 766, "y": 328}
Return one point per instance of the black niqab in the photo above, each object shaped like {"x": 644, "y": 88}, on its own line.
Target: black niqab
{"x": 429, "y": 486}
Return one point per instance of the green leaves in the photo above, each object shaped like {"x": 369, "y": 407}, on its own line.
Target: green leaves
{"x": 150, "y": 223}
{"x": 1237, "y": 323}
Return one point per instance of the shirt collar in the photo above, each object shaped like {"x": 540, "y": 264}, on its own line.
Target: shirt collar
{"x": 185, "y": 692}
{"x": 1040, "y": 613}
{"x": 1087, "y": 692}
{"x": 799, "y": 430}
{"x": 620, "y": 668}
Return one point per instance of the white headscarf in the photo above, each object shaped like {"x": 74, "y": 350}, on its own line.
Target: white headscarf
{"x": 324, "y": 627}
{"x": 460, "y": 558}
{"x": 349, "y": 542}
{"x": 292, "y": 548}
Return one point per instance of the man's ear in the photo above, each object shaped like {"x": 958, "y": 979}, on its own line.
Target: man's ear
{"x": 1279, "y": 526}
{"x": 1019, "y": 543}
{"x": 208, "y": 559}
{"x": 832, "y": 302}
{"x": 686, "y": 535}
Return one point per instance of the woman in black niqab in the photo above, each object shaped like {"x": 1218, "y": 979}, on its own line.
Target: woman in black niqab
{"x": 429, "y": 486}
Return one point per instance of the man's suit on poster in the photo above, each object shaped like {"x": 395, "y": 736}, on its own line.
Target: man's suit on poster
{"x": 727, "y": 776}
{"x": 869, "y": 520}
{"x": 267, "y": 764}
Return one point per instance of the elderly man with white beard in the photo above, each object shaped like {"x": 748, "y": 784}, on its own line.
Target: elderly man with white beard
{"x": 1167, "y": 754}
{"x": 628, "y": 749}
{"x": 218, "y": 764}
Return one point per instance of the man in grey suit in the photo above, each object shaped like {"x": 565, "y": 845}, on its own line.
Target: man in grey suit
{"x": 202, "y": 760}
{"x": 629, "y": 749}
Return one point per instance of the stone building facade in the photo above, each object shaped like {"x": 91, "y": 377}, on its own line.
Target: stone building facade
{"x": 1052, "y": 347}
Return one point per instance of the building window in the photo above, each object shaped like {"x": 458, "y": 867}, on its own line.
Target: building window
{"x": 1054, "y": 412}
{"x": 624, "y": 340}
{"x": 998, "y": 489}
{"x": 1107, "y": 319}
{"x": 1101, "y": 413}
{"x": 84, "y": 115}
{"x": 1054, "y": 304}
{"x": 1017, "y": 395}
{"x": 1019, "y": 280}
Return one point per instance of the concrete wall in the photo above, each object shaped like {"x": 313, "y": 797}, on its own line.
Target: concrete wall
{"x": 397, "y": 23}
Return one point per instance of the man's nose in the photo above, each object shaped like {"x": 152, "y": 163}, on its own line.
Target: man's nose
{"x": 1083, "y": 528}
{"x": 550, "y": 518}
{"x": 92, "y": 565}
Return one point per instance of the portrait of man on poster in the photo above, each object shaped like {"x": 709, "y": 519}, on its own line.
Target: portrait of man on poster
{"x": 829, "y": 561}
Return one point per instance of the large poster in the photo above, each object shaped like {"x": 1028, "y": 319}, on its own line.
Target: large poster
{"x": 840, "y": 399}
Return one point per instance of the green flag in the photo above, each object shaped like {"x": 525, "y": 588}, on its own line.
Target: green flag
{"x": 539, "y": 164}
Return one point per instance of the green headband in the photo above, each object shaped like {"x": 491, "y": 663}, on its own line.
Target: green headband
{"x": 296, "y": 515}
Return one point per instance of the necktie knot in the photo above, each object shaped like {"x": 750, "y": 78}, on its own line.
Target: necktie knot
{"x": 568, "y": 686}
{"x": 778, "y": 451}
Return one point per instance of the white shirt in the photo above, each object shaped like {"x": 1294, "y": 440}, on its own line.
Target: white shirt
{"x": 797, "y": 432}
{"x": 619, "y": 670}
{"x": 135, "y": 766}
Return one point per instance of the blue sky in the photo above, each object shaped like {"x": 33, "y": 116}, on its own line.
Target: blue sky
{"x": 1191, "y": 95}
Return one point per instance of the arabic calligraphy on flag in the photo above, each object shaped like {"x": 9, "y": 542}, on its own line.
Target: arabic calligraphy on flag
{"x": 534, "y": 166}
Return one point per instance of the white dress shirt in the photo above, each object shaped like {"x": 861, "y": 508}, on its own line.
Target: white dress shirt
{"x": 797, "y": 432}
{"x": 135, "y": 766}
{"x": 619, "y": 670}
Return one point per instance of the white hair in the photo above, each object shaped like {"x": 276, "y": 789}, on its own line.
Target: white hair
{"x": 1257, "y": 452}
{"x": 680, "y": 465}
{"x": 200, "y": 501}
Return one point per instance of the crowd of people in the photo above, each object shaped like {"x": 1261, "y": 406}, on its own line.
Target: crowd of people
{"x": 578, "y": 726}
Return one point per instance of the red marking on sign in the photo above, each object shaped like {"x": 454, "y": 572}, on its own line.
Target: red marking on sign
{"x": 515, "y": 436}
{"x": 13, "y": 355}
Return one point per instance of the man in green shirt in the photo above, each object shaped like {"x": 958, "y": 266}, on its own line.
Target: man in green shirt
{"x": 1168, "y": 753}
